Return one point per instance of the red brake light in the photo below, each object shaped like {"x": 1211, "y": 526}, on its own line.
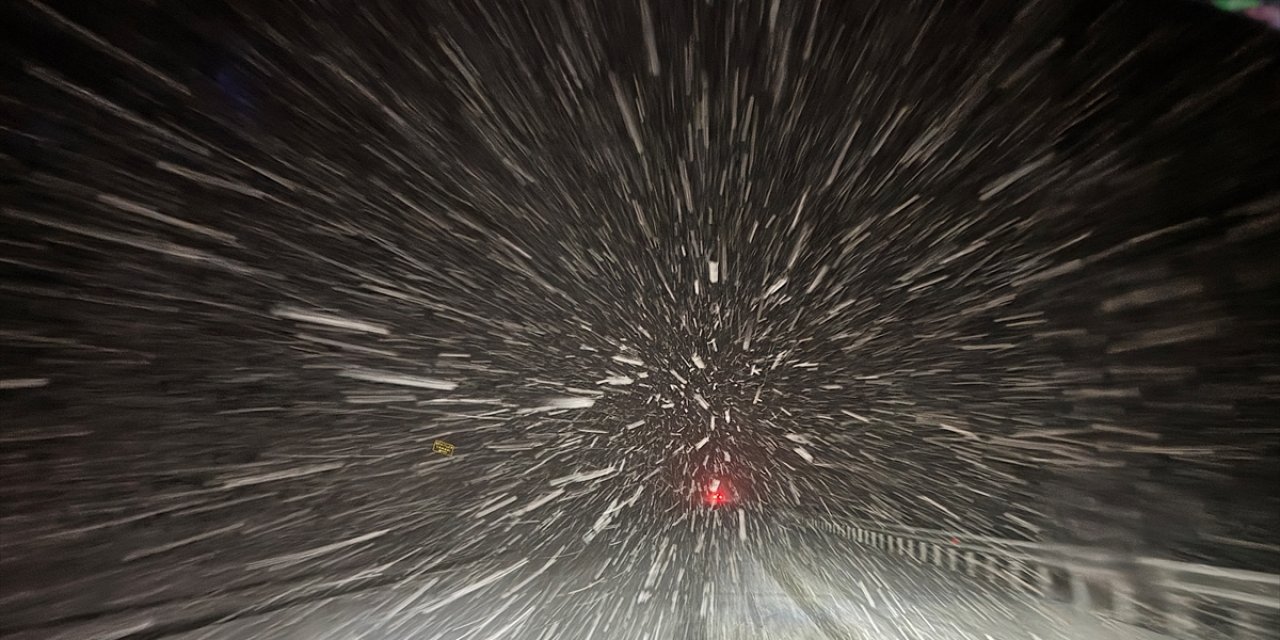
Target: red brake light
{"x": 715, "y": 495}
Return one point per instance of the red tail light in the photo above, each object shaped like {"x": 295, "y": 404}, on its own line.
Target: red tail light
{"x": 715, "y": 494}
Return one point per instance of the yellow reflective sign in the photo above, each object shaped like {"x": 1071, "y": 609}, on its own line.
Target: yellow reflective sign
{"x": 443, "y": 448}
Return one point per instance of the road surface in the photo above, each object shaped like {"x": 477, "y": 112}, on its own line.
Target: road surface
{"x": 704, "y": 580}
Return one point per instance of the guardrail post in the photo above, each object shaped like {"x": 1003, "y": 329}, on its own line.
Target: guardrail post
{"x": 999, "y": 570}
{"x": 1080, "y": 596}
{"x": 1013, "y": 574}
{"x": 1031, "y": 579}
{"x": 1102, "y": 595}
{"x": 1058, "y": 584}
{"x": 987, "y": 566}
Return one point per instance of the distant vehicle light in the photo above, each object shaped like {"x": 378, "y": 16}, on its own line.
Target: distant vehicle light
{"x": 715, "y": 495}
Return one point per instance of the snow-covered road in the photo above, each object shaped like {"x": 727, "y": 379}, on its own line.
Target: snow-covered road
{"x": 781, "y": 583}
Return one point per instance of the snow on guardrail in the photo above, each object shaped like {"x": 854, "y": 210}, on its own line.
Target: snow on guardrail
{"x": 1184, "y": 599}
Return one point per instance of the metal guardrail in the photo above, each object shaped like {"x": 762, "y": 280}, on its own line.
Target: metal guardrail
{"x": 1183, "y": 599}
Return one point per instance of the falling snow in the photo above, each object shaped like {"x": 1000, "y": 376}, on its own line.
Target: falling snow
{"x": 983, "y": 276}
